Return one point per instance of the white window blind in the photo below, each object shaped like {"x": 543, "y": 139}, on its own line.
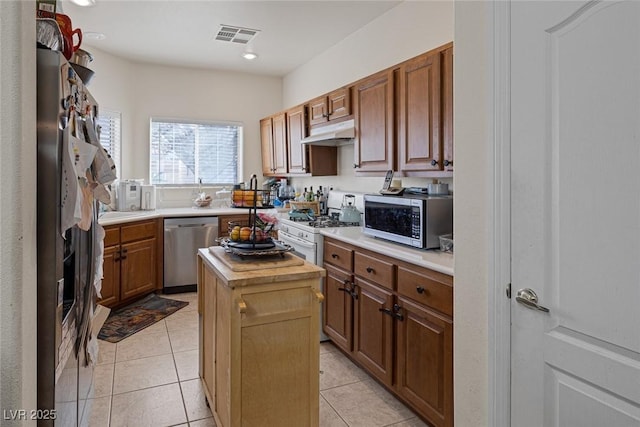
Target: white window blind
{"x": 110, "y": 123}
{"x": 184, "y": 152}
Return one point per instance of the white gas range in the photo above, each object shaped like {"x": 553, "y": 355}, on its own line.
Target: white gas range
{"x": 304, "y": 236}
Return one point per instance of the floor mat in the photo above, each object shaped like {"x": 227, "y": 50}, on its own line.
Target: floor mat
{"x": 136, "y": 316}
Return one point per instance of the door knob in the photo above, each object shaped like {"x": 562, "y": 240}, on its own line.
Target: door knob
{"x": 529, "y": 298}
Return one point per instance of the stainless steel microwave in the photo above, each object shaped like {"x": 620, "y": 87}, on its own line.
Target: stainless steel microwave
{"x": 413, "y": 220}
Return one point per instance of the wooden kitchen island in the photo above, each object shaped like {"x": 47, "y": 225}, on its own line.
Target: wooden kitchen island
{"x": 259, "y": 339}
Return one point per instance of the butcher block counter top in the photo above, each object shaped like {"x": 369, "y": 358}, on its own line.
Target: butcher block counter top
{"x": 251, "y": 271}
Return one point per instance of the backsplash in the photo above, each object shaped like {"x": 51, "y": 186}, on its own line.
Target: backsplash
{"x": 180, "y": 197}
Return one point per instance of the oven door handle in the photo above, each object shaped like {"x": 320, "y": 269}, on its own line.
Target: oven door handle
{"x": 289, "y": 238}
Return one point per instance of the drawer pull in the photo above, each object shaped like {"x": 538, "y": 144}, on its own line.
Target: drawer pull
{"x": 370, "y": 270}
{"x": 242, "y": 306}
{"x": 420, "y": 289}
{"x": 319, "y": 296}
{"x": 334, "y": 256}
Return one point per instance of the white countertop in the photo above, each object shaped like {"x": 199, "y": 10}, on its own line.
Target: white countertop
{"x": 432, "y": 258}
{"x": 116, "y": 217}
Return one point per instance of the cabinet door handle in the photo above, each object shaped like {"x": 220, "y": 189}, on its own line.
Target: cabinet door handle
{"x": 319, "y": 296}
{"x": 447, "y": 163}
{"x": 434, "y": 162}
{"x": 355, "y": 165}
{"x": 394, "y": 312}
{"x": 242, "y": 306}
{"x": 397, "y": 312}
{"x": 326, "y": 116}
{"x": 370, "y": 270}
{"x": 386, "y": 311}
{"x": 420, "y": 289}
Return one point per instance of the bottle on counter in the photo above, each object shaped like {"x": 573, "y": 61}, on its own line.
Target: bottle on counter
{"x": 322, "y": 199}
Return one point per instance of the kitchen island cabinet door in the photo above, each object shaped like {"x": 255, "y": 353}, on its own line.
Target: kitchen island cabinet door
{"x": 425, "y": 362}
{"x": 138, "y": 268}
{"x": 338, "y": 307}
{"x": 110, "y": 291}
{"x": 374, "y": 145}
{"x": 373, "y": 330}
{"x": 279, "y": 358}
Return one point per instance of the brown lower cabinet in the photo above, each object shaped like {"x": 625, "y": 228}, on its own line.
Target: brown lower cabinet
{"x": 131, "y": 252}
{"x": 395, "y": 320}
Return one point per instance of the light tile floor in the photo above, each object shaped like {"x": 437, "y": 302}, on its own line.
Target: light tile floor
{"x": 151, "y": 379}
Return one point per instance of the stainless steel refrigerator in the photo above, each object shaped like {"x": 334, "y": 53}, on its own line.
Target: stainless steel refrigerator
{"x": 66, "y": 257}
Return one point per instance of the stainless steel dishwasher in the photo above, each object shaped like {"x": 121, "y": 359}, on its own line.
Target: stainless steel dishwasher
{"x": 182, "y": 239}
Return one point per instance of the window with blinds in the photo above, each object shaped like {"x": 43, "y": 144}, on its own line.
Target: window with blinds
{"x": 109, "y": 122}
{"x": 184, "y": 152}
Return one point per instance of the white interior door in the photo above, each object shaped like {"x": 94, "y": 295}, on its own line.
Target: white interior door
{"x": 575, "y": 179}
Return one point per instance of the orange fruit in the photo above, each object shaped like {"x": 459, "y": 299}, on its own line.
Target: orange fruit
{"x": 245, "y": 233}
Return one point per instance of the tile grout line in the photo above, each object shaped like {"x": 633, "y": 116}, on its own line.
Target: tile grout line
{"x": 113, "y": 384}
{"x": 175, "y": 366}
{"x": 335, "y": 410}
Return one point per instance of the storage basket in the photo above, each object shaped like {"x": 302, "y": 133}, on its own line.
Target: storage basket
{"x": 314, "y": 206}
{"x": 251, "y": 198}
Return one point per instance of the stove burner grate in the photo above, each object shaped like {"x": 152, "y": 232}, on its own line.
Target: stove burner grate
{"x": 331, "y": 221}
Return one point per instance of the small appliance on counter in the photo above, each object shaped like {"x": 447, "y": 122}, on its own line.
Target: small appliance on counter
{"x": 414, "y": 220}
{"x": 128, "y": 195}
{"x": 148, "y": 197}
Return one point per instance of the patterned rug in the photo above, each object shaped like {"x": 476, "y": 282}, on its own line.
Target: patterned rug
{"x": 136, "y": 316}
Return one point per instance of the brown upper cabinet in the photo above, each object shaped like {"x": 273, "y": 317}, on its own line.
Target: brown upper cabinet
{"x": 332, "y": 106}
{"x": 404, "y": 117}
{"x": 296, "y": 130}
{"x": 283, "y": 152}
{"x": 374, "y": 121}
{"x": 307, "y": 159}
{"x": 419, "y": 142}
{"x": 447, "y": 107}
{"x": 273, "y": 137}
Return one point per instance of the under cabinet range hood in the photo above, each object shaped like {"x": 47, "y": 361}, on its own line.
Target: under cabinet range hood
{"x": 332, "y": 135}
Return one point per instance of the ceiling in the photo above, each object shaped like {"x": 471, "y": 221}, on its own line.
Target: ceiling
{"x": 182, "y": 33}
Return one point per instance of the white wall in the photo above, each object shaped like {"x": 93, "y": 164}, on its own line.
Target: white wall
{"x": 113, "y": 88}
{"x": 407, "y": 30}
{"x": 473, "y": 75}
{"x": 142, "y": 91}
{"x": 17, "y": 208}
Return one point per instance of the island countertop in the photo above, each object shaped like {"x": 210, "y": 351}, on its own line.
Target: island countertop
{"x": 264, "y": 271}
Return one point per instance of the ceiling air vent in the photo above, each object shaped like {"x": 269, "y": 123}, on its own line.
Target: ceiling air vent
{"x": 229, "y": 33}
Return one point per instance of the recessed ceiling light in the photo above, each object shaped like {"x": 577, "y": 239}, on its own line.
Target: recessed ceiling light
{"x": 94, "y": 36}
{"x": 84, "y": 2}
{"x": 249, "y": 55}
